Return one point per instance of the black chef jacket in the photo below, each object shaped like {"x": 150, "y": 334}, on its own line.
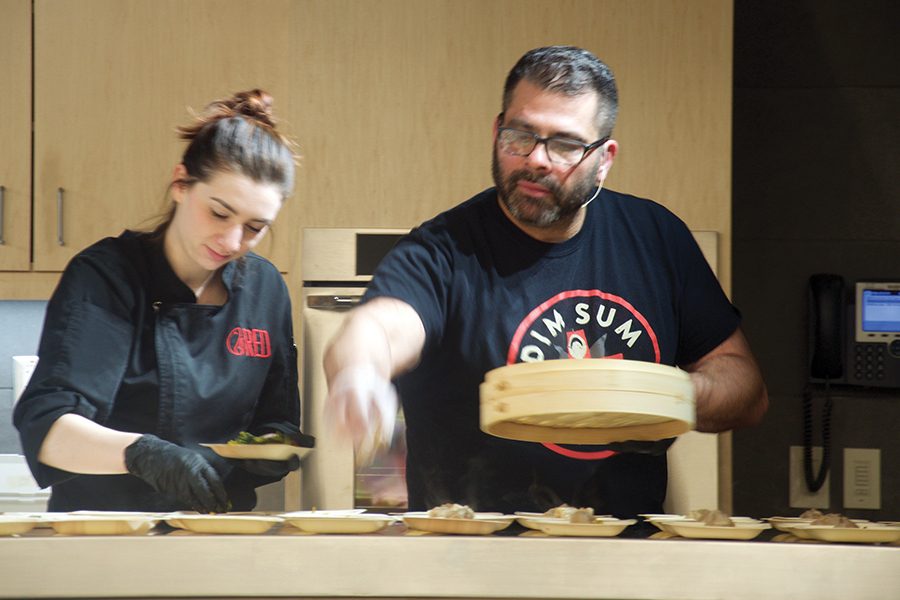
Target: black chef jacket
{"x": 126, "y": 345}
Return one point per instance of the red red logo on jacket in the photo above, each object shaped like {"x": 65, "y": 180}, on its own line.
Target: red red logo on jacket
{"x": 249, "y": 342}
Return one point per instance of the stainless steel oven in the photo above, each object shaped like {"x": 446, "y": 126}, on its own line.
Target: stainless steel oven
{"x": 336, "y": 265}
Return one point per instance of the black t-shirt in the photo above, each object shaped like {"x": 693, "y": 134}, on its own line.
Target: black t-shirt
{"x": 631, "y": 284}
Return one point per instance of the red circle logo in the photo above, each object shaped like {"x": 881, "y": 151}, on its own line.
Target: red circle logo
{"x": 580, "y": 324}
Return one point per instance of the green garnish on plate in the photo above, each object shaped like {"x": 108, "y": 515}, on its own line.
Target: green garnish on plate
{"x": 246, "y": 437}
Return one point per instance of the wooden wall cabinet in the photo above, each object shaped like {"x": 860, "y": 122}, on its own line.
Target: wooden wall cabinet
{"x": 15, "y": 135}
{"x": 112, "y": 79}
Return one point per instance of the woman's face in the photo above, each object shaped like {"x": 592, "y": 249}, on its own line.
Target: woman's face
{"x": 219, "y": 220}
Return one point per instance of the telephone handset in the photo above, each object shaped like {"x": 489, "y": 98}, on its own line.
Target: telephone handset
{"x": 827, "y": 315}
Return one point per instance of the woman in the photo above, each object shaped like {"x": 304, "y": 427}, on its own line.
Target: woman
{"x": 156, "y": 342}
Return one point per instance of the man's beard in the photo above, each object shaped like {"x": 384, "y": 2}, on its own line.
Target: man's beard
{"x": 540, "y": 212}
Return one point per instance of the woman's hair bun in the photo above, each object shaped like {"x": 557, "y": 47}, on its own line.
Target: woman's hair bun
{"x": 256, "y": 104}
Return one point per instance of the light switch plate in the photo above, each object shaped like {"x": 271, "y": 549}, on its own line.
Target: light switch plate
{"x": 862, "y": 478}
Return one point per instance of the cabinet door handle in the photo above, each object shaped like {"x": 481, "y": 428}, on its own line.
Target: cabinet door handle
{"x": 59, "y": 216}
{"x": 2, "y": 210}
{"x": 333, "y": 302}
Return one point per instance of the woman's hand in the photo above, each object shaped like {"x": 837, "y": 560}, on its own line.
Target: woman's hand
{"x": 270, "y": 468}
{"x": 177, "y": 472}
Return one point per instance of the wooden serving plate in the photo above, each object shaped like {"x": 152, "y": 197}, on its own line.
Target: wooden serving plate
{"x": 482, "y": 524}
{"x": 694, "y": 529}
{"x": 16, "y": 525}
{"x": 243, "y": 524}
{"x": 589, "y": 401}
{"x": 73, "y": 524}
{"x": 354, "y": 523}
{"x": 258, "y": 451}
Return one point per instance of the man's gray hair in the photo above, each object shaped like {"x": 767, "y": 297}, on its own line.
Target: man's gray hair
{"x": 571, "y": 71}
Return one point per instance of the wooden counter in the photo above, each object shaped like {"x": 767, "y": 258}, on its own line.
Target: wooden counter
{"x": 394, "y": 564}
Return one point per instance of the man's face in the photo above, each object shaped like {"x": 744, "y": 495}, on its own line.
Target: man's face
{"x": 535, "y": 190}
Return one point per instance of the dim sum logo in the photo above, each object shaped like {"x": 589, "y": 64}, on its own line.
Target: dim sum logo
{"x": 579, "y": 324}
{"x": 249, "y": 342}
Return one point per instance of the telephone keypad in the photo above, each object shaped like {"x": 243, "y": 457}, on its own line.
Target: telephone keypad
{"x": 869, "y": 362}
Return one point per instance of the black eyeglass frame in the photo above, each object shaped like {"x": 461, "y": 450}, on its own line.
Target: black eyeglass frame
{"x": 586, "y": 148}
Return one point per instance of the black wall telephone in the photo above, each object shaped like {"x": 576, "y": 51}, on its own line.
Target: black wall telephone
{"x": 854, "y": 334}
{"x": 854, "y": 343}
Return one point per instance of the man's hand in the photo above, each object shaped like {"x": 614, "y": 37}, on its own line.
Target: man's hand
{"x": 177, "y": 472}
{"x": 362, "y": 404}
{"x": 729, "y": 387}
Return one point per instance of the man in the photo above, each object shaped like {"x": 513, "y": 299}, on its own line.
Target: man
{"x": 543, "y": 266}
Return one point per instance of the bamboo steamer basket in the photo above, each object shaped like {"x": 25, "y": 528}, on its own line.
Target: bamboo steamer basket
{"x": 588, "y": 401}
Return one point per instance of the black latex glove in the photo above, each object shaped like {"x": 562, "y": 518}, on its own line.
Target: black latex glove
{"x": 177, "y": 472}
{"x": 270, "y": 468}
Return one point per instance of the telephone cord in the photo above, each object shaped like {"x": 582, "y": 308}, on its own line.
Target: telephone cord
{"x": 815, "y": 483}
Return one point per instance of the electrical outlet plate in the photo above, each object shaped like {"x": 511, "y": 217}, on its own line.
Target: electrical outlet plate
{"x": 862, "y": 478}
{"x": 23, "y": 367}
{"x": 800, "y": 496}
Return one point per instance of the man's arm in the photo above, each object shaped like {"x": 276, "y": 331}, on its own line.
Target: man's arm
{"x": 386, "y": 333}
{"x": 376, "y": 342}
{"x": 730, "y": 391}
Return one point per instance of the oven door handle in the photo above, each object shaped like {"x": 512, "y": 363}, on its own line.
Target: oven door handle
{"x": 332, "y": 302}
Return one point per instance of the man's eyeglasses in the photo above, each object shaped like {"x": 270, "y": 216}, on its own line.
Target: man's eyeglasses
{"x": 562, "y": 151}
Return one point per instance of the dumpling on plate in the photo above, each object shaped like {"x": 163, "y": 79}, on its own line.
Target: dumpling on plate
{"x": 452, "y": 510}
{"x": 713, "y": 518}
{"x": 571, "y": 513}
{"x": 835, "y": 520}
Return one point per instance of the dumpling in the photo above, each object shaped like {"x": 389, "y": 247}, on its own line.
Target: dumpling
{"x": 835, "y": 520}
{"x": 714, "y": 518}
{"x": 451, "y": 510}
{"x": 571, "y": 513}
